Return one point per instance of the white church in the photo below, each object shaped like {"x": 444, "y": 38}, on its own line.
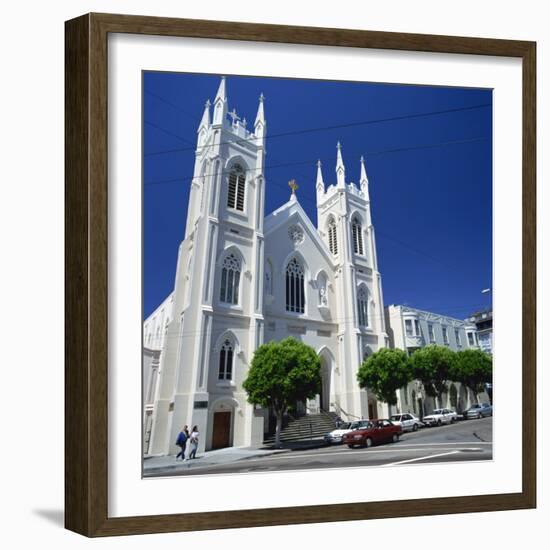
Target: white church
{"x": 244, "y": 278}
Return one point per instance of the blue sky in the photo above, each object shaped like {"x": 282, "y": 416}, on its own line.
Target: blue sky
{"x": 430, "y": 174}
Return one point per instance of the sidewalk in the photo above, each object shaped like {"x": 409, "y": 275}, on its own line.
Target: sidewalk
{"x": 157, "y": 464}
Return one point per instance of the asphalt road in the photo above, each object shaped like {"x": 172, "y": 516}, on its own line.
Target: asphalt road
{"x": 463, "y": 441}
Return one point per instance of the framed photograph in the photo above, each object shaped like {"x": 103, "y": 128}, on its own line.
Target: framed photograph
{"x": 300, "y": 275}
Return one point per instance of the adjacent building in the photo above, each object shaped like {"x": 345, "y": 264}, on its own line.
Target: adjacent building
{"x": 483, "y": 321}
{"x": 154, "y": 335}
{"x": 409, "y": 329}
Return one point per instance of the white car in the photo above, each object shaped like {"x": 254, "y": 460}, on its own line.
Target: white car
{"x": 335, "y": 437}
{"x": 440, "y": 416}
{"x": 408, "y": 422}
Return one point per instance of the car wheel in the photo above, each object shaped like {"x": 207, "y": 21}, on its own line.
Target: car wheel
{"x": 351, "y": 446}
{"x": 478, "y": 416}
{"x": 415, "y": 427}
{"x": 368, "y": 442}
{"x": 439, "y": 422}
{"x": 395, "y": 438}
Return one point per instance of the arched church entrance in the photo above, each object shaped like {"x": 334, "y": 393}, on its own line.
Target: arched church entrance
{"x": 373, "y": 408}
{"x": 222, "y": 425}
{"x": 326, "y": 379}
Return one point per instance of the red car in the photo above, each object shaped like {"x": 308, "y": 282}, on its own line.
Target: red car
{"x": 376, "y": 431}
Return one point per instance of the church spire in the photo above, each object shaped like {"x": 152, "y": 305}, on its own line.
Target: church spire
{"x": 340, "y": 168}
{"x": 320, "y": 185}
{"x": 364, "y": 181}
{"x": 220, "y": 104}
{"x": 260, "y": 117}
{"x": 221, "y": 94}
{"x": 260, "y": 123}
{"x": 205, "y": 121}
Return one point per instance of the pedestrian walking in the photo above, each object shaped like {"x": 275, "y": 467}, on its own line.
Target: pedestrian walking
{"x": 194, "y": 439}
{"x": 181, "y": 442}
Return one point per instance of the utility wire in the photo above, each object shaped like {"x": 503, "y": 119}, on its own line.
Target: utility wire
{"x": 167, "y": 132}
{"x": 372, "y": 153}
{"x": 311, "y": 162}
{"x": 303, "y": 131}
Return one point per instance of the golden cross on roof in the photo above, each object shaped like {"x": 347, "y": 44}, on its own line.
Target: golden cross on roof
{"x": 293, "y": 185}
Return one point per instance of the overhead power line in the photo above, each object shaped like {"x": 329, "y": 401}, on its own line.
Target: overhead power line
{"x": 326, "y": 128}
{"x": 311, "y": 162}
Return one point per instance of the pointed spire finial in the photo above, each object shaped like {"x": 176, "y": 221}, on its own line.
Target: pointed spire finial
{"x": 221, "y": 94}
{"x": 220, "y": 105}
{"x": 364, "y": 180}
{"x": 205, "y": 121}
{"x": 363, "y": 171}
{"x": 320, "y": 185}
{"x": 260, "y": 116}
{"x": 340, "y": 168}
{"x": 320, "y": 175}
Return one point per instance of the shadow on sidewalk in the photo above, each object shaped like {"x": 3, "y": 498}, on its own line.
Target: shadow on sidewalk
{"x": 296, "y": 445}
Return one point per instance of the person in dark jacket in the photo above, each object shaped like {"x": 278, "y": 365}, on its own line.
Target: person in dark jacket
{"x": 181, "y": 442}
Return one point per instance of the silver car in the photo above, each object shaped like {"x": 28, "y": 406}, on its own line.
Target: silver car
{"x": 408, "y": 421}
{"x": 478, "y": 411}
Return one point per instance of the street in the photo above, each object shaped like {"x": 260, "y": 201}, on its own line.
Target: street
{"x": 463, "y": 441}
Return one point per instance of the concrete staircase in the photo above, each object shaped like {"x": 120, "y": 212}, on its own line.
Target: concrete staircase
{"x": 309, "y": 426}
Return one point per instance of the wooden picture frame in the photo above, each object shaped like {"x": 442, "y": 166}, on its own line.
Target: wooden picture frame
{"x": 86, "y": 357}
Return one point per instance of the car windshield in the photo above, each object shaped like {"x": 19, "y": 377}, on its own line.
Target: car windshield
{"x": 438, "y": 411}
{"x": 360, "y": 425}
{"x": 344, "y": 426}
{"x": 395, "y": 417}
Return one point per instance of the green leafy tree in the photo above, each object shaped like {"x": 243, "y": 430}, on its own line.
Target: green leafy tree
{"x": 472, "y": 368}
{"x": 432, "y": 365}
{"x": 384, "y": 372}
{"x": 282, "y": 373}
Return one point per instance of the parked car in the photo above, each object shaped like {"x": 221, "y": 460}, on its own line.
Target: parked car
{"x": 375, "y": 432}
{"x": 336, "y": 435}
{"x": 478, "y": 411}
{"x": 407, "y": 421}
{"x": 439, "y": 417}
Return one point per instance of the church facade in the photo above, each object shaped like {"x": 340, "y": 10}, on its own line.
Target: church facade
{"x": 244, "y": 278}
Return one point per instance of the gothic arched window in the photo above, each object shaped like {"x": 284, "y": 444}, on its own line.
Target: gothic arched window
{"x": 362, "y": 306}
{"x": 357, "y": 235}
{"x": 231, "y": 275}
{"x": 332, "y": 240}
{"x": 295, "y": 297}
{"x": 235, "y": 192}
{"x": 225, "y": 371}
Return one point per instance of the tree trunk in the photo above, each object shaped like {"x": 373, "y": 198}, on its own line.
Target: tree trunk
{"x": 278, "y": 429}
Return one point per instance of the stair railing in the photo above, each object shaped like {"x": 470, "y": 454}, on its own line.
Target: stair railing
{"x": 340, "y": 411}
